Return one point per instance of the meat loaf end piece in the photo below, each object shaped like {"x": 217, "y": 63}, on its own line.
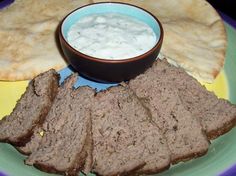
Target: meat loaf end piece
{"x": 64, "y": 146}
{"x": 36, "y": 138}
{"x": 31, "y": 110}
{"x": 125, "y": 139}
{"x": 217, "y": 116}
{"x": 183, "y": 131}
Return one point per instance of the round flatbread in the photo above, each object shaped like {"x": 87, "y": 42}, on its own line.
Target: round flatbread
{"x": 28, "y": 43}
{"x": 194, "y": 35}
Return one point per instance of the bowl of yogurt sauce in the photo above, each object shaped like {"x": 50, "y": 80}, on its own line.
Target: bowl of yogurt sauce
{"x": 110, "y": 41}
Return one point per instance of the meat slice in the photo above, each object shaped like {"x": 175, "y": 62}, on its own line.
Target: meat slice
{"x": 66, "y": 142}
{"x": 31, "y": 110}
{"x": 217, "y": 116}
{"x": 182, "y": 130}
{"x": 126, "y": 139}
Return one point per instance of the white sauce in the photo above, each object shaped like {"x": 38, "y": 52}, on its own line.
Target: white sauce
{"x": 111, "y": 36}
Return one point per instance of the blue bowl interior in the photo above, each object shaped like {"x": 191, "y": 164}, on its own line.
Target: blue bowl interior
{"x": 110, "y": 8}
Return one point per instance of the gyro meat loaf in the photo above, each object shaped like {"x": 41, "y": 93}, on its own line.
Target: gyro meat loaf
{"x": 31, "y": 110}
{"x": 182, "y": 130}
{"x": 125, "y": 138}
{"x": 66, "y": 143}
{"x": 216, "y": 115}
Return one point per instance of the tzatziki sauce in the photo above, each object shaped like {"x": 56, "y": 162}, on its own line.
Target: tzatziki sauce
{"x": 111, "y": 36}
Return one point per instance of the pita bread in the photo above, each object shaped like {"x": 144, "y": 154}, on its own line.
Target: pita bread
{"x": 194, "y": 35}
{"x": 28, "y": 44}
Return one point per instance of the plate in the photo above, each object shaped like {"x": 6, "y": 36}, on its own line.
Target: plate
{"x": 220, "y": 157}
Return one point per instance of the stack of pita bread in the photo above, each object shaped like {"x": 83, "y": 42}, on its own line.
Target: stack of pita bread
{"x": 194, "y": 36}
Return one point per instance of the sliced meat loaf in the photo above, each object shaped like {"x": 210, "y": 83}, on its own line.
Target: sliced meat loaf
{"x": 31, "y": 110}
{"x": 66, "y": 142}
{"x": 125, "y": 138}
{"x": 217, "y": 116}
{"x": 182, "y": 130}
{"x": 36, "y": 138}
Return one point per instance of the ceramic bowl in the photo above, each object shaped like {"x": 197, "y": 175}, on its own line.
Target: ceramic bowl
{"x": 106, "y": 70}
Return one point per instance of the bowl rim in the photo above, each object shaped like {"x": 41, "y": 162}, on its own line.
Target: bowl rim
{"x": 101, "y": 60}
